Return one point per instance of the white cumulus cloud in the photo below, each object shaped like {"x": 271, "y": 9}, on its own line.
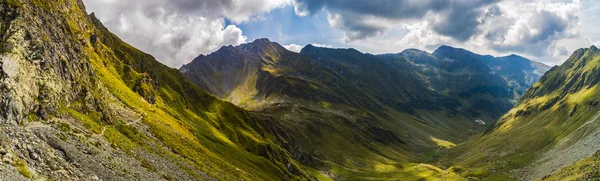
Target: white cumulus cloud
{"x": 176, "y": 31}
{"x": 293, "y": 47}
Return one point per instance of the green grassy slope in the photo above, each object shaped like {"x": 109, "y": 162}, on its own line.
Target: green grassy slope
{"x": 185, "y": 124}
{"x": 359, "y": 116}
{"x": 345, "y": 128}
{"x": 549, "y": 128}
{"x": 321, "y": 115}
{"x": 205, "y": 127}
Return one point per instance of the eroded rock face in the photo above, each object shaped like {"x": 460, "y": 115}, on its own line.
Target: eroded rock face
{"x": 43, "y": 66}
{"x": 18, "y": 83}
{"x": 77, "y": 103}
{"x": 10, "y": 66}
{"x": 43, "y": 69}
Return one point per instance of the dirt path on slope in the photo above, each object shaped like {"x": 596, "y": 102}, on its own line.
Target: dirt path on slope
{"x": 128, "y": 124}
{"x": 36, "y": 125}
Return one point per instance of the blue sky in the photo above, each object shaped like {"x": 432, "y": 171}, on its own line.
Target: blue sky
{"x": 590, "y": 17}
{"x": 176, "y": 31}
{"x": 284, "y": 26}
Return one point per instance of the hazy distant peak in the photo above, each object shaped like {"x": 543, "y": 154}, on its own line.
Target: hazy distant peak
{"x": 413, "y": 50}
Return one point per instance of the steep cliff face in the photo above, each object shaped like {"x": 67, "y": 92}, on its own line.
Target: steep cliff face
{"x": 33, "y": 69}
{"x": 77, "y": 103}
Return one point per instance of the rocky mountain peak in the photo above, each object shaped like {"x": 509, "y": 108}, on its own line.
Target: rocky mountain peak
{"x": 413, "y": 50}
{"x": 515, "y": 56}
{"x": 308, "y": 48}
{"x": 311, "y": 50}
{"x": 262, "y": 40}
{"x": 261, "y": 47}
{"x": 450, "y": 54}
{"x": 446, "y": 48}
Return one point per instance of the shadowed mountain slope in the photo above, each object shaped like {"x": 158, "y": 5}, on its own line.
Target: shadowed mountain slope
{"x": 483, "y": 84}
{"x": 375, "y": 109}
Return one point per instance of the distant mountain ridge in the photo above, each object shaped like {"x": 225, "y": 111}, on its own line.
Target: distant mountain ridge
{"x": 513, "y": 67}
{"x": 464, "y": 74}
{"x": 517, "y": 72}
{"x": 523, "y": 71}
{"x": 363, "y": 102}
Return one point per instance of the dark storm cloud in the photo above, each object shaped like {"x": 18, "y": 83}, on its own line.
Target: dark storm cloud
{"x": 550, "y": 25}
{"x": 196, "y": 5}
{"x": 460, "y": 21}
{"x": 356, "y": 26}
{"x": 534, "y": 35}
{"x": 382, "y": 8}
{"x": 454, "y": 18}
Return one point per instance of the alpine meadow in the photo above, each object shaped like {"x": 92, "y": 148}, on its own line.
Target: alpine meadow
{"x": 278, "y": 90}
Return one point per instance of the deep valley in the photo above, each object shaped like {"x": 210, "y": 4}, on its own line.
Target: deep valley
{"x": 79, "y": 103}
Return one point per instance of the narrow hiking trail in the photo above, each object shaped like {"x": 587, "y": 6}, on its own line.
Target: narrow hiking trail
{"x": 127, "y": 124}
{"x": 36, "y": 125}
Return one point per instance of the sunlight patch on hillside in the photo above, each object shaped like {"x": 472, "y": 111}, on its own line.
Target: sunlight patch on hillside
{"x": 443, "y": 143}
{"x": 581, "y": 96}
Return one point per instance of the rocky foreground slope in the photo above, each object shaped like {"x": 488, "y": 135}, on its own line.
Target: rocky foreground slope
{"x": 77, "y": 103}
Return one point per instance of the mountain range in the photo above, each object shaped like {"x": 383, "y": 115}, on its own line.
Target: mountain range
{"x": 448, "y": 89}
{"x": 412, "y": 101}
{"x": 78, "y": 103}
